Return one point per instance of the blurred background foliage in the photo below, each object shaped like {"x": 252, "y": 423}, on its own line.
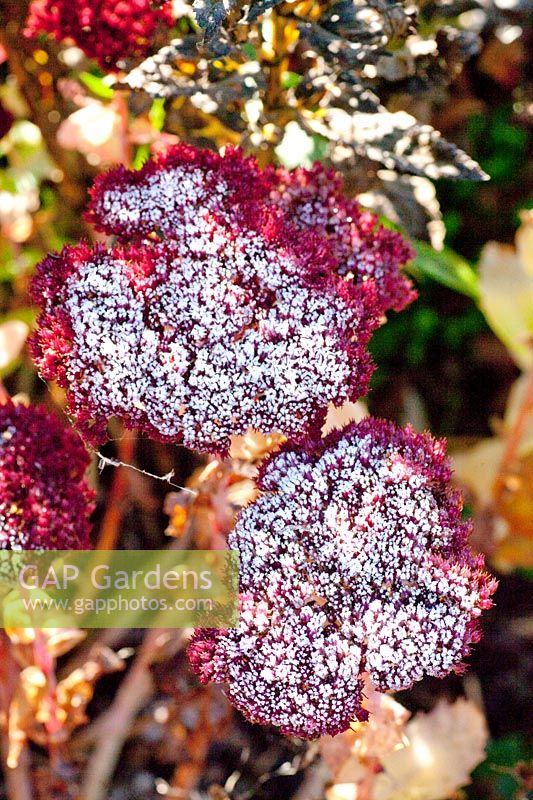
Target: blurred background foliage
{"x": 416, "y": 104}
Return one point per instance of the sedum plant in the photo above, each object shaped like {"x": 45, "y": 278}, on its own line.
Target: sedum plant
{"x": 106, "y": 30}
{"x": 233, "y": 298}
{"x": 239, "y": 299}
{"x": 354, "y": 563}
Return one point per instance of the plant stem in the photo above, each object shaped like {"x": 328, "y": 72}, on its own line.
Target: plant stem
{"x": 133, "y": 694}
{"x": 17, "y": 778}
{"x": 46, "y": 663}
{"x": 110, "y": 528}
{"x": 273, "y": 93}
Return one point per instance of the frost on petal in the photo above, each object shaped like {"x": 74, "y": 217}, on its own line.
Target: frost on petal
{"x": 171, "y": 191}
{"x": 362, "y": 532}
{"x": 202, "y": 339}
{"x": 167, "y": 195}
{"x": 228, "y": 308}
{"x": 362, "y": 247}
{"x": 285, "y": 666}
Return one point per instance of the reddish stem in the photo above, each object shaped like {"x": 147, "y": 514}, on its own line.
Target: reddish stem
{"x": 127, "y": 149}
{"x": 17, "y": 778}
{"x": 46, "y": 662}
{"x": 110, "y": 529}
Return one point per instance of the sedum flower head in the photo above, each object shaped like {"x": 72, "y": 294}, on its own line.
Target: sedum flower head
{"x": 353, "y": 561}
{"x": 106, "y": 30}
{"x": 216, "y": 317}
{"x": 166, "y": 196}
{"x": 45, "y": 501}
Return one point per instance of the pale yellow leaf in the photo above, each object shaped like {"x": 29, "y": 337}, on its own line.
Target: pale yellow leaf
{"x": 524, "y": 241}
{"x": 506, "y": 293}
{"x": 351, "y": 755}
{"x": 340, "y": 416}
{"x": 444, "y": 746}
{"x": 13, "y": 335}
{"x": 477, "y": 468}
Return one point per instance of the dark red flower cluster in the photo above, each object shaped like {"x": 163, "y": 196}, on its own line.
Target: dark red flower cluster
{"x": 45, "y": 501}
{"x": 353, "y": 562}
{"x": 219, "y": 315}
{"x": 361, "y": 246}
{"x": 106, "y": 30}
{"x": 238, "y": 298}
{"x": 128, "y": 204}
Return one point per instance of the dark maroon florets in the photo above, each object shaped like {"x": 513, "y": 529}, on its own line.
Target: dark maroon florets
{"x": 132, "y": 204}
{"x": 106, "y": 30}
{"x": 45, "y": 502}
{"x": 171, "y": 189}
{"x": 219, "y": 316}
{"x": 353, "y": 562}
{"x": 361, "y": 246}
{"x": 6, "y": 120}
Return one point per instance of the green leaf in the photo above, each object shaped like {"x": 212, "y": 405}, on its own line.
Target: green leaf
{"x": 290, "y": 80}
{"x": 13, "y": 264}
{"x": 97, "y": 85}
{"x": 249, "y": 51}
{"x": 157, "y": 113}
{"x": 25, "y": 314}
{"x": 142, "y": 154}
{"x": 497, "y": 776}
{"x": 320, "y": 148}
{"x": 425, "y": 322}
{"x": 445, "y": 267}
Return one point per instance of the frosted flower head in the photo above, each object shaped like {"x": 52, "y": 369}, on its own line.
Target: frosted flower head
{"x": 362, "y": 247}
{"x": 165, "y": 197}
{"x": 45, "y": 501}
{"x": 106, "y": 30}
{"x": 133, "y": 204}
{"x": 287, "y": 665}
{"x": 235, "y": 321}
{"x": 362, "y": 535}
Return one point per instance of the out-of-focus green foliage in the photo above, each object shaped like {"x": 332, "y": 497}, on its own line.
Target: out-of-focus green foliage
{"x": 506, "y": 772}
{"x": 97, "y": 85}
